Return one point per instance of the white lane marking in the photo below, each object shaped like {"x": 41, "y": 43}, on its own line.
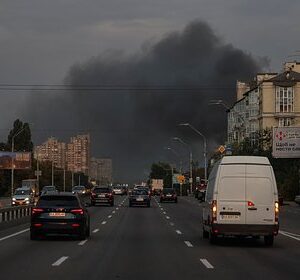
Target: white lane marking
{"x": 103, "y": 223}
{"x": 289, "y": 235}
{"x": 95, "y": 230}
{"x": 120, "y": 205}
{"x": 113, "y": 212}
{"x": 82, "y": 242}
{"x": 206, "y": 263}
{"x": 165, "y": 213}
{"x": 188, "y": 243}
{"x": 172, "y": 224}
{"x": 60, "y": 261}
{"x": 293, "y": 234}
{"x": 117, "y": 208}
{"x": 14, "y": 234}
{"x": 167, "y": 217}
{"x": 109, "y": 216}
{"x": 178, "y": 232}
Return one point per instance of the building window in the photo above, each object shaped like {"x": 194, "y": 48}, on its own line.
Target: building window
{"x": 284, "y": 100}
{"x": 284, "y": 122}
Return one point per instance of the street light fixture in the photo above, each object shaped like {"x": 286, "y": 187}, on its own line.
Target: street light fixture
{"x": 204, "y": 144}
{"x": 176, "y": 154}
{"x": 12, "y": 159}
{"x": 191, "y": 159}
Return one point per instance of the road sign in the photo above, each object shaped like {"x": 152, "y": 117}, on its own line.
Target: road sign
{"x": 20, "y": 160}
{"x": 38, "y": 173}
{"x": 286, "y": 142}
{"x": 221, "y": 149}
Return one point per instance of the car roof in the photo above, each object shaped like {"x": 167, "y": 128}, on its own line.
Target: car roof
{"x": 245, "y": 160}
{"x": 59, "y": 194}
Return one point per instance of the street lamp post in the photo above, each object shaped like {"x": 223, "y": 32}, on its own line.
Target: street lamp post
{"x": 177, "y": 155}
{"x": 204, "y": 146}
{"x": 12, "y": 159}
{"x": 190, "y": 159}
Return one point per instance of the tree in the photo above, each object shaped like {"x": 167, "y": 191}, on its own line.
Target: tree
{"x": 163, "y": 171}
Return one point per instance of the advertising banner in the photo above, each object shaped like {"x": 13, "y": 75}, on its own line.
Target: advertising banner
{"x": 286, "y": 142}
{"x": 18, "y": 160}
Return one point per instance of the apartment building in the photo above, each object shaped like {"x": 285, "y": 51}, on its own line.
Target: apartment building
{"x": 271, "y": 100}
{"x": 52, "y": 150}
{"x": 78, "y": 154}
{"x": 101, "y": 170}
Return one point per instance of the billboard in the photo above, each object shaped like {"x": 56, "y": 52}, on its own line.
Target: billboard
{"x": 286, "y": 142}
{"x": 19, "y": 160}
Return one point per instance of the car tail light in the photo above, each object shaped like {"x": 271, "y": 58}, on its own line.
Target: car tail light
{"x": 77, "y": 211}
{"x": 251, "y": 204}
{"x": 276, "y": 211}
{"x": 36, "y": 211}
{"x": 214, "y": 211}
{"x": 37, "y": 225}
{"x": 75, "y": 225}
{"x": 93, "y": 194}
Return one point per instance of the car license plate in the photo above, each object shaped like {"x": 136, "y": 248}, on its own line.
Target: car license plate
{"x": 101, "y": 195}
{"x": 169, "y": 195}
{"x": 57, "y": 214}
{"x": 139, "y": 199}
{"x": 230, "y": 217}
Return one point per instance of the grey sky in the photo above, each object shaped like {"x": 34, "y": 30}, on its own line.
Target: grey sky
{"x": 41, "y": 39}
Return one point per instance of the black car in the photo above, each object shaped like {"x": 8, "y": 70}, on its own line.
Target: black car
{"x": 168, "y": 194}
{"x": 62, "y": 213}
{"x": 139, "y": 197}
{"x": 102, "y": 195}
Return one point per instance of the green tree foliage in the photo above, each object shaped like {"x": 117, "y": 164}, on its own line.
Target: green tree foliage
{"x": 163, "y": 171}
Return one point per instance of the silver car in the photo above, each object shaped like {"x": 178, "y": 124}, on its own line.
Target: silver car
{"x": 22, "y": 196}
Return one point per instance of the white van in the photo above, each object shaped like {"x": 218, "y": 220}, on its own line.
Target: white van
{"x": 241, "y": 199}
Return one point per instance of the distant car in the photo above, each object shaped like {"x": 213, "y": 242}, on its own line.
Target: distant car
{"x": 168, "y": 194}
{"x": 22, "y": 196}
{"x": 118, "y": 190}
{"x": 100, "y": 195}
{"x": 139, "y": 197}
{"x": 79, "y": 190}
{"x": 49, "y": 189}
{"x": 61, "y": 213}
{"x": 297, "y": 199}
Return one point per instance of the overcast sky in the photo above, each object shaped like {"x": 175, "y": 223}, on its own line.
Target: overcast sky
{"x": 41, "y": 39}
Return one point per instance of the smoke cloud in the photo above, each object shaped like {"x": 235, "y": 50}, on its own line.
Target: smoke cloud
{"x": 165, "y": 83}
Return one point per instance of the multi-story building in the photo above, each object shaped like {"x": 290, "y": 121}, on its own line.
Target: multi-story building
{"x": 273, "y": 100}
{"x": 52, "y": 150}
{"x": 78, "y": 154}
{"x": 101, "y": 170}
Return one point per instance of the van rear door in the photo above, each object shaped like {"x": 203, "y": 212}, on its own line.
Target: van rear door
{"x": 260, "y": 195}
{"x": 231, "y": 194}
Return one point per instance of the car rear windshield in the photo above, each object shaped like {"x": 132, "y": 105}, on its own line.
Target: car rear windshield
{"x": 101, "y": 190}
{"x": 78, "y": 188}
{"x": 140, "y": 192}
{"x": 58, "y": 200}
{"x": 168, "y": 191}
{"x": 49, "y": 189}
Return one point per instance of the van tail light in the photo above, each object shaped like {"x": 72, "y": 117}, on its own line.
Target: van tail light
{"x": 251, "y": 204}
{"x": 36, "y": 211}
{"x": 214, "y": 211}
{"x": 77, "y": 211}
{"x": 276, "y": 211}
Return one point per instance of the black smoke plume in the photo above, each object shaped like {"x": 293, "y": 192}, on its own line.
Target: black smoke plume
{"x": 148, "y": 94}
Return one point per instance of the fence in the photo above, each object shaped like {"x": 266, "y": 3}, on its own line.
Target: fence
{"x": 13, "y": 213}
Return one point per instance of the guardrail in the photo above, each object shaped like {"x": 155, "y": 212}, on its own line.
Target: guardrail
{"x": 8, "y": 214}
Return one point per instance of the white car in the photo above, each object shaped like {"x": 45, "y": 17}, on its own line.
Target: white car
{"x": 22, "y": 196}
{"x": 241, "y": 199}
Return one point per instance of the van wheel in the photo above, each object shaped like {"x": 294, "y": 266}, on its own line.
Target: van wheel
{"x": 212, "y": 238}
{"x": 269, "y": 240}
{"x": 205, "y": 233}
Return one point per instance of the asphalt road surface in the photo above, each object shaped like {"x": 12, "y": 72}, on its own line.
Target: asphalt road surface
{"x": 161, "y": 242}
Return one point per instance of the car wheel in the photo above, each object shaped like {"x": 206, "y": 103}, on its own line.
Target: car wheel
{"x": 205, "y": 233}
{"x": 160, "y": 200}
{"x": 269, "y": 240}
{"x": 212, "y": 238}
{"x": 83, "y": 232}
{"x": 148, "y": 205}
{"x": 88, "y": 231}
{"x": 176, "y": 200}
{"x": 130, "y": 205}
{"x": 112, "y": 204}
{"x": 92, "y": 203}
{"x": 33, "y": 235}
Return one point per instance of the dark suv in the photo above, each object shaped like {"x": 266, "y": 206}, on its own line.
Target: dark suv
{"x": 62, "y": 213}
{"x": 102, "y": 195}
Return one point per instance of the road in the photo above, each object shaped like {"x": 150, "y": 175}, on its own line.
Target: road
{"x": 161, "y": 242}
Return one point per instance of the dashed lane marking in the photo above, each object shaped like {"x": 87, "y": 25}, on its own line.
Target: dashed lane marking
{"x": 167, "y": 217}
{"x": 290, "y": 235}
{"x": 109, "y": 216}
{"x": 206, "y": 263}
{"x": 104, "y": 222}
{"x": 188, "y": 243}
{"x": 165, "y": 213}
{"x": 117, "y": 208}
{"x": 172, "y": 224}
{"x": 60, "y": 261}
{"x": 178, "y": 232}
{"x": 113, "y": 212}
{"x": 14, "y": 234}
{"x": 95, "y": 230}
{"x": 82, "y": 242}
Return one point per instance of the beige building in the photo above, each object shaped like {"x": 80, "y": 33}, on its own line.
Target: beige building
{"x": 78, "y": 154}
{"x": 272, "y": 100}
{"x": 52, "y": 150}
{"x": 101, "y": 170}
